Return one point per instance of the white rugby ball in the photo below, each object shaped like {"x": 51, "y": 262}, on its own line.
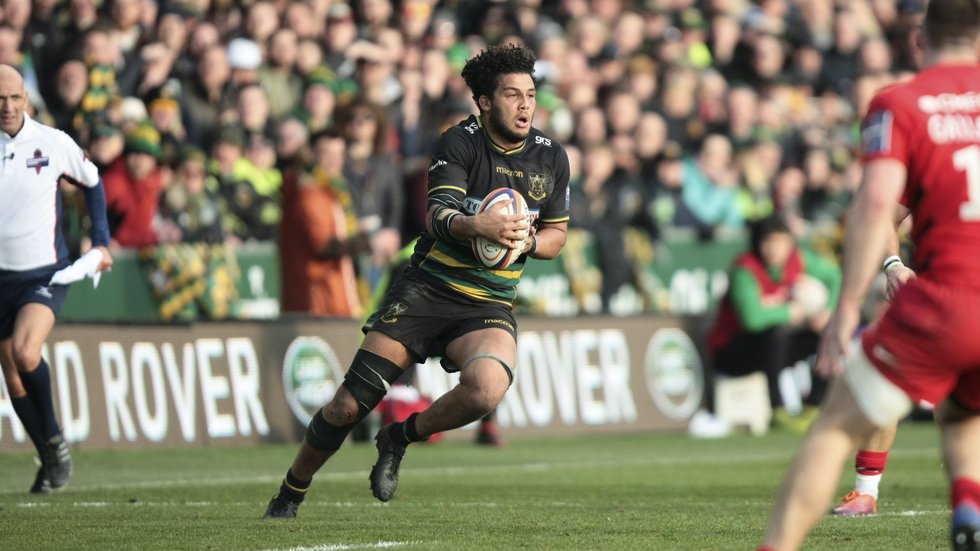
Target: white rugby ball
{"x": 811, "y": 294}
{"x": 489, "y": 253}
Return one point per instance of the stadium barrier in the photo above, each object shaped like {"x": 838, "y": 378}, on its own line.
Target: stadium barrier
{"x": 247, "y": 382}
{"x": 679, "y": 274}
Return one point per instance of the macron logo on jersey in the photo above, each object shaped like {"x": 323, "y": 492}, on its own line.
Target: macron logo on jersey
{"x": 876, "y": 136}
{"x": 38, "y": 161}
{"x": 437, "y": 164}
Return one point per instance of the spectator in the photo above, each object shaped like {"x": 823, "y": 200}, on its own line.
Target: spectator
{"x": 316, "y": 109}
{"x": 279, "y": 79}
{"x": 765, "y": 323}
{"x": 319, "y": 236}
{"x": 596, "y": 208}
{"x": 188, "y": 203}
{"x": 374, "y": 181}
{"x": 209, "y": 94}
{"x": 252, "y": 111}
{"x": 251, "y": 197}
{"x": 708, "y": 187}
{"x": 133, "y": 185}
{"x": 244, "y": 59}
{"x": 66, "y": 106}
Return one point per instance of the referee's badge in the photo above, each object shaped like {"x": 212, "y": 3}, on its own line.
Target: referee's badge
{"x": 38, "y": 161}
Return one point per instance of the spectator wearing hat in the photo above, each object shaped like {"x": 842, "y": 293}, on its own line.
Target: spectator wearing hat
{"x": 316, "y": 110}
{"x": 244, "y": 59}
{"x": 133, "y": 185}
{"x": 189, "y": 203}
{"x": 104, "y": 143}
{"x": 164, "y": 111}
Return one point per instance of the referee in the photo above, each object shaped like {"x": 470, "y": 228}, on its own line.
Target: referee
{"x": 35, "y": 159}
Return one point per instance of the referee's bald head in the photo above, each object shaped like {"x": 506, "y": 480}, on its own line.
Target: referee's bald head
{"x": 10, "y": 75}
{"x": 13, "y": 100}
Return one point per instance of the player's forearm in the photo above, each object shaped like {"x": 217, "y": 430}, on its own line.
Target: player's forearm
{"x": 548, "y": 242}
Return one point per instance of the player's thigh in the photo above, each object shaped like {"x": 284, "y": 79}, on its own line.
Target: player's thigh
{"x": 34, "y": 323}
{"x": 842, "y": 411}
{"x": 876, "y": 397}
{"x": 387, "y": 347}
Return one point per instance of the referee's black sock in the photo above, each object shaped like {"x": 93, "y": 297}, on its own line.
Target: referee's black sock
{"x": 29, "y": 417}
{"x": 293, "y": 488}
{"x": 37, "y": 383}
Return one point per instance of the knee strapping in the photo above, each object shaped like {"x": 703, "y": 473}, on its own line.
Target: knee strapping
{"x": 498, "y": 359}
{"x": 323, "y": 436}
{"x": 368, "y": 380}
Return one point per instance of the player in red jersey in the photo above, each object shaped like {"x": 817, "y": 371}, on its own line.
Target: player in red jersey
{"x": 921, "y": 143}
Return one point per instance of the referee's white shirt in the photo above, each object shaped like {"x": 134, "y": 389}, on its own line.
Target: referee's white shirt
{"x": 33, "y": 162}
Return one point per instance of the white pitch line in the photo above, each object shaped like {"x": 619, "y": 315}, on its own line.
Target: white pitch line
{"x": 352, "y": 546}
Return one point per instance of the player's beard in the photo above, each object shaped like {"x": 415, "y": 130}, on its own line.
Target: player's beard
{"x": 501, "y": 127}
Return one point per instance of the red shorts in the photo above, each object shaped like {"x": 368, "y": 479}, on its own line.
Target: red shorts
{"x": 928, "y": 343}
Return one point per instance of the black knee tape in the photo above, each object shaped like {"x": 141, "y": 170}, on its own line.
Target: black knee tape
{"x": 368, "y": 380}
{"x": 323, "y": 436}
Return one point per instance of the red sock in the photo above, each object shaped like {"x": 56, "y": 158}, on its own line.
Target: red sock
{"x": 870, "y": 463}
{"x": 965, "y": 490}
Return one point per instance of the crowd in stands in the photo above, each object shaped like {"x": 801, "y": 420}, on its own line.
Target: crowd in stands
{"x": 697, "y": 114}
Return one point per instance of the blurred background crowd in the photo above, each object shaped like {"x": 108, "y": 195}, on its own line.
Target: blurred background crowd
{"x": 215, "y": 122}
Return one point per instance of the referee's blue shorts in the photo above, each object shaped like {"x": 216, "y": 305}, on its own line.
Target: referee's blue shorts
{"x": 18, "y": 288}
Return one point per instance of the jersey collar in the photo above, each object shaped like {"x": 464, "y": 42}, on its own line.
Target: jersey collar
{"x": 518, "y": 149}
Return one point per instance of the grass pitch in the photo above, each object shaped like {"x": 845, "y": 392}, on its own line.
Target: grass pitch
{"x": 640, "y": 491}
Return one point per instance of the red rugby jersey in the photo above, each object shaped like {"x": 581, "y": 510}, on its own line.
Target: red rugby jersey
{"x": 931, "y": 124}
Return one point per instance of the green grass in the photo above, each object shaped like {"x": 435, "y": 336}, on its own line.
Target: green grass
{"x": 641, "y": 491}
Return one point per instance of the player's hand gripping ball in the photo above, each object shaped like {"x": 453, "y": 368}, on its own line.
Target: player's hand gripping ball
{"x": 491, "y": 254}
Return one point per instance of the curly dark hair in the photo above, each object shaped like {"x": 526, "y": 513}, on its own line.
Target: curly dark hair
{"x": 483, "y": 72}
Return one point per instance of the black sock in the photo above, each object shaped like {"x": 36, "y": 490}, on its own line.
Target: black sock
{"x": 409, "y": 432}
{"x": 29, "y": 417}
{"x": 37, "y": 383}
{"x": 294, "y": 488}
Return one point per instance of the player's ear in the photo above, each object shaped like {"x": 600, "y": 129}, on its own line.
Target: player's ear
{"x": 484, "y": 103}
{"x": 917, "y": 41}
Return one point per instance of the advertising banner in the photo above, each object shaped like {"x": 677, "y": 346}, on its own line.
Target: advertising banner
{"x": 250, "y": 382}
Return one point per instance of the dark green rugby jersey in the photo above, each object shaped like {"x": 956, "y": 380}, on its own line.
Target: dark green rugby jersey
{"x": 466, "y": 167}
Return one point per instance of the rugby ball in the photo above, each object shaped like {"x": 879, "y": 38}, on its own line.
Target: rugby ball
{"x": 811, "y": 294}
{"x": 491, "y": 254}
